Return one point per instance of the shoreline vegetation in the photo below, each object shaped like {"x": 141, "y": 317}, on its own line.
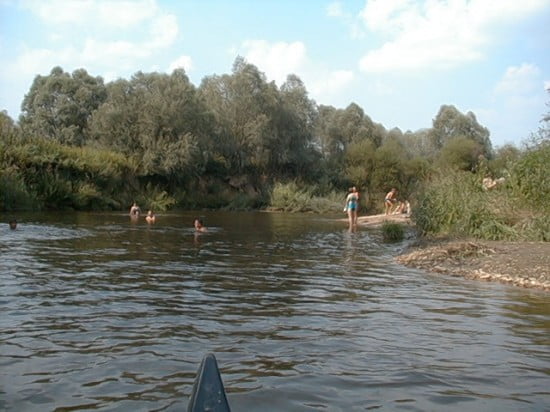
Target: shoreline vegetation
{"x": 239, "y": 142}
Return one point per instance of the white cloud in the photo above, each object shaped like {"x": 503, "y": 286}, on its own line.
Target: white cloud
{"x": 389, "y": 15}
{"x": 519, "y": 80}
{"x": 334, "y": 9}
{"x": 517, "y": 105}
{"x": 182, "y": 62}
{"x": 435, "y": 34}
{"x": 104, "y": 42}
{"x": 277, "y": 60}
{"x": 112, "y": 53}
{"x": 126, "y": 13}
{"x": 547, "y": 85}
{"x": 164, "y": 31}
{"x": 331, "y": 83}
{"x": 100, "y": 12}
{"x": 35, "y": 61}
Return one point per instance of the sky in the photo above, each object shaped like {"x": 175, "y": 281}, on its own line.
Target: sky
{"x": 400, "y": 60}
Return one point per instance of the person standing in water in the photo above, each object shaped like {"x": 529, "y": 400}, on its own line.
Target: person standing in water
{"x": 150, "y": 218}
{"x": 352, "y": 204}
{"x": 135, "y": 211}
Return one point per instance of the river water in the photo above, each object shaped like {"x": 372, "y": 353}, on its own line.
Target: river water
{"x": 98, "y": 313}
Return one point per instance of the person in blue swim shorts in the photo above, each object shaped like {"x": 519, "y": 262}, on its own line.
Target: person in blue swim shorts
{"x": 352, "y": 206}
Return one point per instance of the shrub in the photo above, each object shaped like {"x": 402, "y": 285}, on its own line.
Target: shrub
{"x": 290, "y": 197}
{"x": 14, "y": 193}
{"x": 455, "y": 203}
{"x": 392, "y": 232}
{"x": 530, "y": 177}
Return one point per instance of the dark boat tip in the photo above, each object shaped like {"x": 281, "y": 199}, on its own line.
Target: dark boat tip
{"x": 208, "y": 392}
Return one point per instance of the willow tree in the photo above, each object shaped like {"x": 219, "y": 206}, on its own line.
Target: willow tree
{"x": 156, "y": 119}
{"x": 241, "y": 106}
{"x": 450, "y": 123}
{"x": 290, "y": 145}
{"x": 59, "y": 106}
{"x": 342, "y": 130}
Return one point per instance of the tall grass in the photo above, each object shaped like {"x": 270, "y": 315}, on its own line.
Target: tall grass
{"x": 292, "y": 197}
{"x": 14, "y": 193}
{"x": 455, "y": 203}
{"x": 45, "y": 174}
{"x": 530, "y": 177}
{"x": 392, "y": 232}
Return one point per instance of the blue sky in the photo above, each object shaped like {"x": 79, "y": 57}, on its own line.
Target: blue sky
{"x": 400, "y": 60}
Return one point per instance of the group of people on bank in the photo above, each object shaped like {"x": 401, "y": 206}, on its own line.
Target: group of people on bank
{"x": 392, "y": 205}
{"x": 150, "y": 217}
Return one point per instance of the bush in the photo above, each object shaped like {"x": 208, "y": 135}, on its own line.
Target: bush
{"x": 14, "y": 193}
{"x": 392, "y": 232}
{"x": 455, "y": 203}
{"x": 290, "y": 197}
{"x": 530, "y": 177}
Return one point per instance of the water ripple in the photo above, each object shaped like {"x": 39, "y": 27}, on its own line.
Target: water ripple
{"x": 98, "y": 313}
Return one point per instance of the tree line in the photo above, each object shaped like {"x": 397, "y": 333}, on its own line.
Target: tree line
{"x": 156, "y": 138}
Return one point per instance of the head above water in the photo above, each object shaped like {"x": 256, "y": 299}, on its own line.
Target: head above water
{"x": 13, "y": 224}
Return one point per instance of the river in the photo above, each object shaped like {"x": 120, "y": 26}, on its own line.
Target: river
{"x": 98, "y": 313}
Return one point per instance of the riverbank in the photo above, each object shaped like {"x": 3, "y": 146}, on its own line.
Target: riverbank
{"x": 525, "y": 264}
{"x": 378, "y": 220}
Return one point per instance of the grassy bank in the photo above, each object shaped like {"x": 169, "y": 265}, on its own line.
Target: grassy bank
{"x": 456, "y": 203}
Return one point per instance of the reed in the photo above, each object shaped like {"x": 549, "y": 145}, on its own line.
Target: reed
{"x": 392, "y": 232}
{"x": 14, "y": 193}
{"x": 455, "y": 203}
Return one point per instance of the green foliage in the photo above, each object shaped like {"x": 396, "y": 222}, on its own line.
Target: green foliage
{"x": 158, "y": 139}
{"x": 45, "y": 174}
{"x": 291, "y": 197}
{"x": 14, "y": 193}
{"x": 450, "y": 123}
{"x": 156, "y": 198}
{"x": 460, "y": 153}
{"x": 505, "y": 157}
{"x": 456, "y": 203}
{"x": 392, "y": 231}
{"x": 58, "y": 106}
{"x": 530, "y": 177}
{"x": 157, "y": 120}
{"x": 536, "y": 228}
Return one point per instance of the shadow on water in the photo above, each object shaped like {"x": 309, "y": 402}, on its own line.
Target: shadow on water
{"x": 102, "y": 313}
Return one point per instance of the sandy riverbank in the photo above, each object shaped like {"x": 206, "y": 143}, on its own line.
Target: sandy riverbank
{"x": 378, "y": 220}
{"x": 525, "y": 264}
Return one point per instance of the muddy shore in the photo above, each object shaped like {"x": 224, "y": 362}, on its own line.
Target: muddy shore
{"x": 524, "y": 264}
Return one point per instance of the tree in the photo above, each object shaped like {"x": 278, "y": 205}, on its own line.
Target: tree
{"x": 8, "y": 129}
{"x": 291, "y": 147}
{"x": 451, "y": 123}
{"x": 155, "y": 118}
{"x": 242, "y": 106}
{"x": 60, "y": 105}
{"x": 341, "y": 130}
{"x": 460, "y": 153}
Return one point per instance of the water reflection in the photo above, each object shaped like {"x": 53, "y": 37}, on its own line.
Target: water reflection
{"x": 99, "y": 313}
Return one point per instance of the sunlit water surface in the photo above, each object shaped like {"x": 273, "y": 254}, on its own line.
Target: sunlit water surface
{"x": 99, "y": 313}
